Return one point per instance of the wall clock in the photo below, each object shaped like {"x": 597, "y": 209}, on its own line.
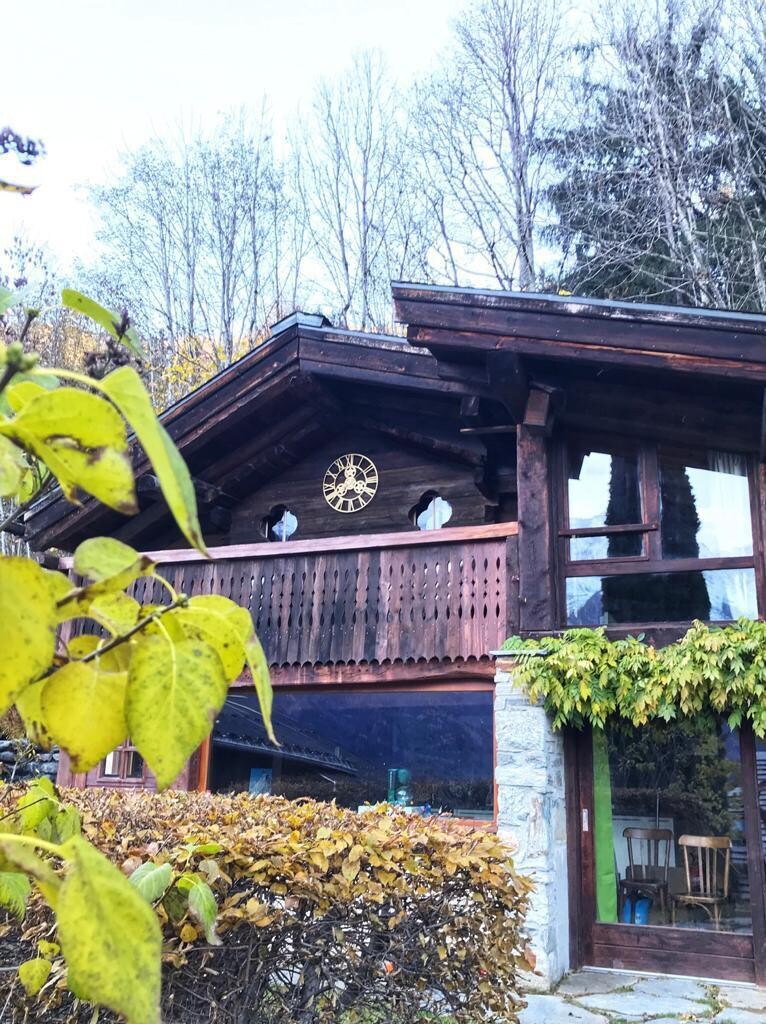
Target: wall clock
{"x": 350, "y": 483}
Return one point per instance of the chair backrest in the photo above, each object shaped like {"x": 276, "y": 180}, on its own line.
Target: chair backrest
{"x": 648, "y": 853}
{"x": 708, "y": 852}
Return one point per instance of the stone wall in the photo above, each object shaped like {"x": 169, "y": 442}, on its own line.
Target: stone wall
{"x": 21, "y": 761}
{"x": 531, "y": 812}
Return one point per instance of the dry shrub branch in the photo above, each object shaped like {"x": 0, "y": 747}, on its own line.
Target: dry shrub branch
{"x": 323, "y": 914}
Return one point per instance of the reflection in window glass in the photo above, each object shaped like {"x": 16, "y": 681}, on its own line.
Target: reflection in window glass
{"x": 587, "y": 549}
{"x": 603, "y": 489}
{"x": 112, "y": 763}
{"x": 705, "y": 506}
{"x": 436, "y": 513}
{"x": 134, "y": 765}
{"x": 714, "y": 595}
{"x": 420, "y": 748}
{"x": 668, "y": 830}
{"x": 282, "y": 524}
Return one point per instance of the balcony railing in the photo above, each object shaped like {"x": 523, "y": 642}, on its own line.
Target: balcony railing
{"x": 439, "y": 594}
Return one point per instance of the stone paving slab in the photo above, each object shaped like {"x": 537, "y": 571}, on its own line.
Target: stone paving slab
{"x": 743, "y": 998}
{"x": 662, "y": 988}
{"x": 679, "y": 1020}
{"x": 637, "y": 1005}
{"x": 553, "y": 1010}
{"x": 731, "y": 1015}
{"x": 586, "y": 983}
{"x": 612, "y": 997}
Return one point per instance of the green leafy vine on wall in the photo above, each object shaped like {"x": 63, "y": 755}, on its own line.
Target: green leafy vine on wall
{"x": 583, "y": 677}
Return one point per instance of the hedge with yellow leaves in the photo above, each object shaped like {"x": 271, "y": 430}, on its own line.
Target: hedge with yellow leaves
{"x": 321, "y": 914}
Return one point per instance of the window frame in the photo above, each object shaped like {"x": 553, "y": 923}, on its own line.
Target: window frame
{"x": 651, "y": 561}
{"x": 466, "y": 685}
{"x": 120, "y": 777}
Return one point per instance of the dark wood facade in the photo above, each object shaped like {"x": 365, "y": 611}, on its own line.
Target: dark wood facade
{"x": 482, "y": 405}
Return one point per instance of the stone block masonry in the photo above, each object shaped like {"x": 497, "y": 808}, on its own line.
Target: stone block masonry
{"x": 20, "y": 761}
{"x": 531, "y": 813}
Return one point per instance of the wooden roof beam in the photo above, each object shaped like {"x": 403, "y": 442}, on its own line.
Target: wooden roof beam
{"x": 446, "y": 344}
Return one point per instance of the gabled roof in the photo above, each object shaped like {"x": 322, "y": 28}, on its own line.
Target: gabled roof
{"x": 463, "y": 323}
{"x": 268, "y": 409}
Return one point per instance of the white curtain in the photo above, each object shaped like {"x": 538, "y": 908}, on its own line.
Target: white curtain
{"x": 723, "y": 504}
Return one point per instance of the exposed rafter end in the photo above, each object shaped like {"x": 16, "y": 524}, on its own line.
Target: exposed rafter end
{"x": 507, "y": 377}
{"x": 542, "y": 406}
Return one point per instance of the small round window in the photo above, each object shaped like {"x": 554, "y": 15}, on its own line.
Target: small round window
{"x": 280, "y": 523}
{"x": 431, "y": 512}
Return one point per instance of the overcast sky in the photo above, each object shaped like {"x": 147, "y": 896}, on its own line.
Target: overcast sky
{"x": 92, "y": 77}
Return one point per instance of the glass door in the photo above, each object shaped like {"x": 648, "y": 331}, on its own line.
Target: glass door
{"x": 673, "y": 849}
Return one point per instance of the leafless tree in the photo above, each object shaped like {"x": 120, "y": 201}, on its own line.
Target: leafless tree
{"x": 195, "y": 241}
{"x": 663, "y": 162}
{"x": 483, "y": 125}
{"x": 359, "y": 192}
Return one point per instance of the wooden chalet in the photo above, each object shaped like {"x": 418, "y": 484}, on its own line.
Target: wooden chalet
{"x": 391, "y": 509}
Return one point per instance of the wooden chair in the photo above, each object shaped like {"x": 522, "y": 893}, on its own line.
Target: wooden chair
{"x": 647, "y": 873}
{"x": 707, "y": 887}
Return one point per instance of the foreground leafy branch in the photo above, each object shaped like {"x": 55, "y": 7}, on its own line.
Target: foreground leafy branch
{"x": 583, "y": 677}
{"x": 155, "y": 672}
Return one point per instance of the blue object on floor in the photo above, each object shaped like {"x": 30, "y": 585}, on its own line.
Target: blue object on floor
{"x": 627, "y": 911}
{"x": 642, "y": 911}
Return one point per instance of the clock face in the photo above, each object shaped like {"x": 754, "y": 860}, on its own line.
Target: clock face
{"x": 350, "y": 483}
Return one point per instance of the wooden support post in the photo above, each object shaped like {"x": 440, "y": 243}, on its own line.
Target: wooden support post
{"x": 536, "y": 569}
{"x": 203, "y": 773}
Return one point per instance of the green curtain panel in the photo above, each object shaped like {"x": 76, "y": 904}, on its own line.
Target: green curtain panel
{"x": 606, "y": 877}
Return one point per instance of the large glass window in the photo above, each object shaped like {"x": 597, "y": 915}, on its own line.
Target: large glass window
{"x": 668, "y": 831}
{"x": 656, "y": 535}
{"x": 427, "y": 749}
{"x": 713, "y": 595}
{"x": 705, "y": 506}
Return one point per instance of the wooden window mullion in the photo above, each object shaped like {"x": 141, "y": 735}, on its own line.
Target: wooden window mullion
{"x": 650, "y": 480}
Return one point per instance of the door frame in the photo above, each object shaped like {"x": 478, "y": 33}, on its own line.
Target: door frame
{"x": 662, "y": 950}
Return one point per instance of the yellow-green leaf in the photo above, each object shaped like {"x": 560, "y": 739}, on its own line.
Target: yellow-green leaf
{"x": 14, "y": 891}
{"x": 77, "y": 602}
{"x": 13, "y": 466}
{"x": 241, "y": 620}
{"x": 14, "y": 855}
{"x": 28, "y": 617}
{"x": 7, "y": 299}
{"x": 103, "y": 317}
{"x": 175, "y": 690}
{"x": 128, "y": 393}
{"x": 104, "y": 473}
{"x": 80, "y": 415}
{"x": 82, "y": 440}
{"x": 151, "y": 879}
{"x": 98, "y": 558}
{"x": 116, "y": 660}
{"x": 33, "y": 974}
{"x": 83, "y": 708}
{"x": 118, "y": 612}
{"x": 259, "y": 669}
{"x": 29, "y": 707}
{"x": 203, "y": 619}
{"x": 203, "y": 908}
{"x": 110, "y": 937}
{"x": 21, "y": 390}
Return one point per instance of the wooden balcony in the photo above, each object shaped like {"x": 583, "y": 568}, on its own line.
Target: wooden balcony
{"x": 437, "y": 595}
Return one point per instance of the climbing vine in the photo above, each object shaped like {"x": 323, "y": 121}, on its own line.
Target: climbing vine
{"x": 583, "y": 677}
